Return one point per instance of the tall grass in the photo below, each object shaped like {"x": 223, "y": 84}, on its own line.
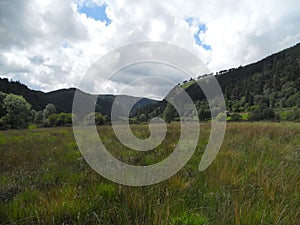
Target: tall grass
{"x": 254, "y": 179}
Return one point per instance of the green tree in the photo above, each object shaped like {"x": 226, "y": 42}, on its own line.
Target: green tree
{"x": 268, "y": 114}
{"x": 17, "y": 109}
{"x": 169, "y": 113}
{"x": 142, "y": 118}
{"x": 61, "y": 119}
{"x": 2, "y": 109}
{"x": 256, "y": 113}
{"x": 236, "y": 117}
{"x": 49, "y": 110}
{"x": 38, "y": 119}
{"x": 94, "y": 118}
{"x": 221, "y": 117}
{"x": 204, "y": 114}
{"x": 52, "y": 120}
{"x": 236, "y": 106}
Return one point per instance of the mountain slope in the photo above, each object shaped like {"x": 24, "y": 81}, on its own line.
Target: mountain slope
{"x": 273, "y": 82}
{"x": 63, "y": 98}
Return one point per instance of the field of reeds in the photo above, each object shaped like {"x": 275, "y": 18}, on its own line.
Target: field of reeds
{"x": 254, "y": 180}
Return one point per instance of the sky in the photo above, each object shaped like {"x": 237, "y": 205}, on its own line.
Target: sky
{"x": 51, "y": 44}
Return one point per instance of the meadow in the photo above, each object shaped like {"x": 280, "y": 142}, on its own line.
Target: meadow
{"x": 255, "y": 179}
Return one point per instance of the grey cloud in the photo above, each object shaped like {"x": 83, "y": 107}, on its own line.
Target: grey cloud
{"x": 37, "y": 59}
{"x": 11, "y": 67}
{"x": 61, "y": 21}
{"x": 22, "y": 25}
{"x": 148, "y": 69}
{"x": 18, "y": 28}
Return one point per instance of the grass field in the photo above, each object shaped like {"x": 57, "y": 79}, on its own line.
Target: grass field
{"x": 255, "y": 179}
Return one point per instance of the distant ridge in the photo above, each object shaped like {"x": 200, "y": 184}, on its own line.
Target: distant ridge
{"x": 63, "y": 98}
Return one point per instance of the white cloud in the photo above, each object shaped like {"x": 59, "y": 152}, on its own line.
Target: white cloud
{"x": 49, "y": 44}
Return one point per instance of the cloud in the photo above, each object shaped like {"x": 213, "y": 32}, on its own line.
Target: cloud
{"x": 141, "y": 80}
{"x": 51, "y": 44}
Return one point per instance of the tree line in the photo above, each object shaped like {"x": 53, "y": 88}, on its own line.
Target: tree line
{"x": 16, "y": 113}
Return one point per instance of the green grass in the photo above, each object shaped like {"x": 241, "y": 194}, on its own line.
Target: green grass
{"x": 187, "y": 84}
{"x": 254, "y": 179}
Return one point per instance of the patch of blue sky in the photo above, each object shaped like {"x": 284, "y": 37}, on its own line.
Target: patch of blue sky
{"x": 96, "y": 12}
{"x": 201, "y": 28}
{"x": 65, "y": 45}
{"x": 189, "y": 20}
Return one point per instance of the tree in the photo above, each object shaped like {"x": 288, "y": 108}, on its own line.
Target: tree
{"x": 236, "y": 117}
{"x": 142, "y": 118}
{"x": 49, "y": 110}
{"x": 2, "y": 109}
{"x": 268, "y": 114}
{"x": 38, "y": 119}
{"x": 255, "y": 113}
{"x": 169, "y": 113}
{"x": 221, "y": 117}
{"x": 236, "y": 106}
{"x": 204, "y": 114}
{"x": 61, "y": 119}
{"x": 94, "y": 118}
{"x": 52, "y": 120}
{"x": 4, "y": 123}
{"x": 17, "y": 109}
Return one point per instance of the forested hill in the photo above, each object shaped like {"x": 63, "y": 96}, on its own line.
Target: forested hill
{"x": 273, "y": 81}
{"x": 267, "y": 89}
{"x": 63, "y": 98}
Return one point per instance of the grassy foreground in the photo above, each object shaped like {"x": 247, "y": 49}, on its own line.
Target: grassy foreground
{"x": 255, "y": 179}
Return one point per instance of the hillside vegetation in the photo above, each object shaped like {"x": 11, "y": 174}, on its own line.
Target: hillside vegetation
{"x": 266, "y": 90}
{"x": 63, "y": 98}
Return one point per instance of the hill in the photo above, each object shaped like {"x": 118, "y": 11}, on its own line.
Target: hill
{"x": 271, "y": 83}
{"x": 63, "y": 98}
{"x": 274, "y": 81}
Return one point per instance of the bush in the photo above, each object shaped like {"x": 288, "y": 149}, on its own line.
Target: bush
{"x": 49, "y": 110}
{"x": 4, "y": 123}
{"x": 38, "y": 119}
{"x": 236, "y": 117}
{"x": 93, "y": 118}
{"x": 255, "y": 116}
{"x": 204, "y": 114}
{"x": 17, "y": 110}
{"x": 169, "y": 113}
{"x": 221, "y": 117}
{"x": 268, "y": 114}
{"x": 261, "y": 113}
{"x": 291, "y": 115}
{"x": 61, "y": 119}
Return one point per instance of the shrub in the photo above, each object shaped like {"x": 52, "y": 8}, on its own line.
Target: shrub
{"x": 38, "y": 117}
{"x": 61, "y": 119}
{"x": 236, "y": 117}
{"x": 49, "y": 110}
{"x": 291, "y": 115}
{"x": 18, "y": 113}
{"x": 268, "y": 114}
{"x": 93, "y": 118}
{"x": 221, "y": 117}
